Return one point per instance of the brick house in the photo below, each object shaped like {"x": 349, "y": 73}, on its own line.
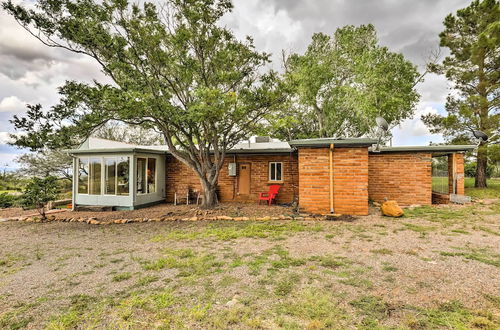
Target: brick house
{"x": 321, "y": 175}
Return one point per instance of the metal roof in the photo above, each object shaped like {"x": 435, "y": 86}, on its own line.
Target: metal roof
{"x": 432, "y": 149}
{"x": 324, "y": 142}
{"x": 260, "y": 148}
{"x": 141, "y": 149}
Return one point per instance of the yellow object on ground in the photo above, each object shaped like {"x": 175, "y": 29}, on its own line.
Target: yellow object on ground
{"x": 391, "y": 209}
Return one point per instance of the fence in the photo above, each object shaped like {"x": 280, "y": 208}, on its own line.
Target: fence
{"x": 440, "y": 174}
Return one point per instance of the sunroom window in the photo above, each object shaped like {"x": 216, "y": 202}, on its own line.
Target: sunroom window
{"x": 141, "y": 175}
{"x": 110, "y": 176}
{"x": 83, "y": 175}
{"x": 122, "y": 176}
{"x": 275, "y": 171}
{"x": 151, "y": 174}
{"x": 95, "y": 176}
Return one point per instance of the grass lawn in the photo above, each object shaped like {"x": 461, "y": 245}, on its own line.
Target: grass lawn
{"x": 493, "y": 190}
{"x": 434, "y": 268}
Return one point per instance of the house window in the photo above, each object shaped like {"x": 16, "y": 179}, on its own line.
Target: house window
{"x": 83, "y": 175}
{"x": 146, "y": 175}
{"x": 110, "y": 176}
{"x": 141, "y": 175}
{"x": 275, "y": 171}
{"x": 95, "y": 176}
{"x": 122, "y": 175}
{"x": 151, "y": 174}
{"x": 116, "y": 176}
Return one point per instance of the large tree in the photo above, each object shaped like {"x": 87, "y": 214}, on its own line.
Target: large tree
{"x": 342, "y": 82}
{"x": 473, "y": 39}
{"x": 174, "y": 68}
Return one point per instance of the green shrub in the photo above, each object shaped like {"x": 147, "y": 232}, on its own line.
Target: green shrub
{"x": 39, "y": 192}
{"x": 470, "y": 170}
{"x": 7, "y": 200}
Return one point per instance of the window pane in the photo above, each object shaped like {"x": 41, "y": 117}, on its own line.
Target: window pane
{"x": 95, "y": 176}
{"x": 83, "y": 175}
{"x": 272, "y": 171}
{"x": 151, "y": 175}
{"x": 110, "y": 180}
{"x": 278, "y": 171}
{"x": 122, "y": 175}
{"x": 141, "y": 175}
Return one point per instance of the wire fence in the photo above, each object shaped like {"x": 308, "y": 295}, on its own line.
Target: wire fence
{"x": 440, "y": 174}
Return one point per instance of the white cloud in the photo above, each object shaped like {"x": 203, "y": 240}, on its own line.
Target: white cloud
{"x": 12, "y": 104}
{"x": 415, "y": 126}
{"x": 5, "y": 137}
{"x": 414, "y": 131}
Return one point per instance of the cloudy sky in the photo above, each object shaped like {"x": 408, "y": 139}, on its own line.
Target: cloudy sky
{"x": 31, "y": 72}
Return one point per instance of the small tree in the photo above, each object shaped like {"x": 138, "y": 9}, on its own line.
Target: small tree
{"x": 39, "y": 192}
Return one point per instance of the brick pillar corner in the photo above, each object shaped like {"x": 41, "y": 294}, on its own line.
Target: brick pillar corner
{"x": 456, "y": 173}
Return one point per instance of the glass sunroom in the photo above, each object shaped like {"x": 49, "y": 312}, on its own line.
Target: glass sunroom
{"x": 118, "y": 175}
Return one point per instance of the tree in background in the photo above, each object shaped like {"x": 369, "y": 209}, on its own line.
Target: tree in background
{"x": 341, "y": 83}
{"x": 58, "y": 163}
{"x": 473, "y": 38}
{"x": 133, "y": 134}
{"x": 38, "y": 192}
{"x": 173, "y": 68}
{"x": 46, "y": 163}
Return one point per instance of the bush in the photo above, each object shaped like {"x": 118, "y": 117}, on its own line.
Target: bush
{"x": 39, "y": 192}
{"x": 470, "y": 170}
{"x": 7, "y": 200}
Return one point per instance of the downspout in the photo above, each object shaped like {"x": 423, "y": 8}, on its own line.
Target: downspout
{"x": 234, "y": 178}
{"x": 331, "y": 178}
{"x": 74, "y": 183}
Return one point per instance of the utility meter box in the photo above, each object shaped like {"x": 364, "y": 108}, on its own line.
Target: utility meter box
{"x": 231, "y": 168}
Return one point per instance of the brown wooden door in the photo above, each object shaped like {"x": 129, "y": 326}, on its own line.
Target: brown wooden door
{"x": 244, "y": 179}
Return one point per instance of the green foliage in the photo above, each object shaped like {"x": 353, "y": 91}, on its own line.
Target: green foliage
{"x": 470, "y": 170}
{"x": 341, "y": 83}
{"x": 39, "y": 192}
{"x": 472, "y": 36}
{"x": 7, "y": 200}
{"x": 174, "y": 69}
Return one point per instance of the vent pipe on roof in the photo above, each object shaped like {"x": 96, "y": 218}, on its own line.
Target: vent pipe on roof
{"x": 262, "y": 139}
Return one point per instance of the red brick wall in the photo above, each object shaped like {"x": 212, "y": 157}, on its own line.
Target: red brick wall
{"x": 403, "y": 177}
{"x": 179, "y": 177}
{"x": 350, "y": 177}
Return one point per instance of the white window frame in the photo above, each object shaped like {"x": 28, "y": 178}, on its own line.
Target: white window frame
{"x": 106, "y": 175}
{"x": 78, "y": 176}
{"x": 275, "y": 169}
{"x": 103, "y": 175}
{"x": 146, "y": 175}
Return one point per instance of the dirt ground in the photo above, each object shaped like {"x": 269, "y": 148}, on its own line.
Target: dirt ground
{"x": 167, "y": 210}
{"x": 437, "y": 267}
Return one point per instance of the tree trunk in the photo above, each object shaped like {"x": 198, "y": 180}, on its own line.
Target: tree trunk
{"x": 209, "y": 194}
{"x": 481, "y": 164}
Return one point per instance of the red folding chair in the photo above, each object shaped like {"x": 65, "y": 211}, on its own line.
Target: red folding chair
{"x": 270, "y": 195}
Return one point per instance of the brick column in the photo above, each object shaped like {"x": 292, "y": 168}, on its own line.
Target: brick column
{"x": 456, "y": 173}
